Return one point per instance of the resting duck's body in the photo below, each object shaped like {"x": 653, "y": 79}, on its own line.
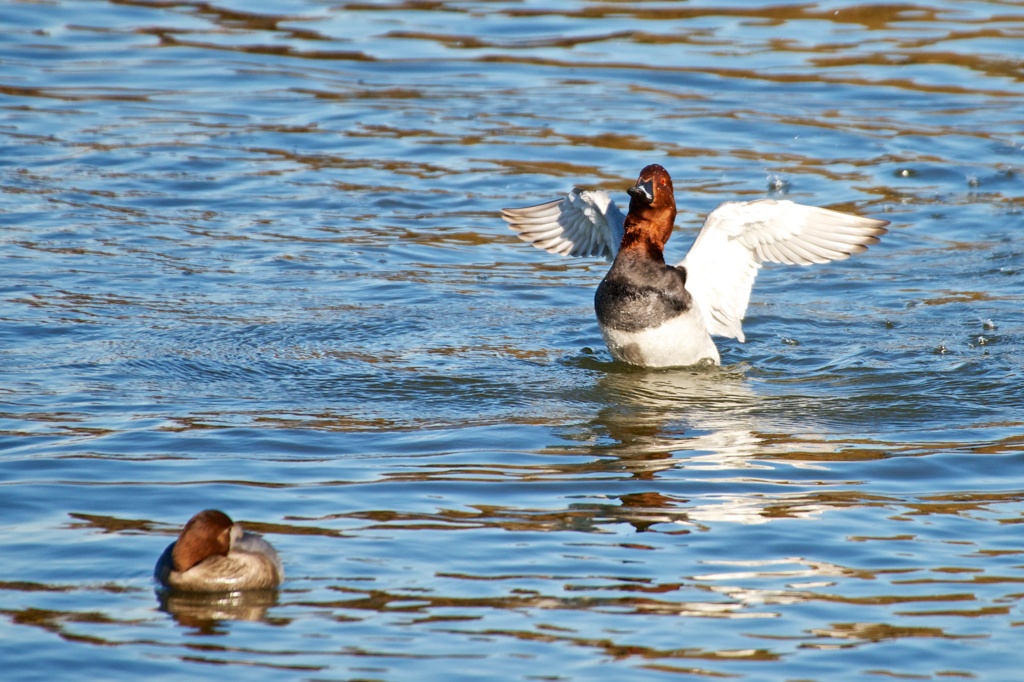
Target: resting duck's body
{"x": 213, "y": 554}
{"x": 653, "y": 314}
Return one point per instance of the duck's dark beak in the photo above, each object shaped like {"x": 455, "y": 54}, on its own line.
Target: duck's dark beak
{"x": 642, "y": 190}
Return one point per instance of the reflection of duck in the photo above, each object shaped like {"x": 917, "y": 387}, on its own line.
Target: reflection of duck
{"x": 656, "y": 315}
{"x": 205, "y": 609}
{"x": 707, "y": 412}
{"x": 214, "y": 554}
{"x": 711, "y": 426}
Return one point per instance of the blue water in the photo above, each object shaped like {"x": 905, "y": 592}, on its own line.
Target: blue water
{"x": 252, "y": 259}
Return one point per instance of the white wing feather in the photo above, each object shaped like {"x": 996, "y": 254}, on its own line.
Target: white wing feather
{"x": 584, "y": 223}
{"x": 738, "y": 237}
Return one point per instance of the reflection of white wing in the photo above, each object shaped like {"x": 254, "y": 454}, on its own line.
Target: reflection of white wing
{"x": 737, "y": 237}
{"x": 582, "y": 224}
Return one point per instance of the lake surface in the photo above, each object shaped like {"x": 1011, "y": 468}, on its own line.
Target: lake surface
{"x": 252, "y": 259}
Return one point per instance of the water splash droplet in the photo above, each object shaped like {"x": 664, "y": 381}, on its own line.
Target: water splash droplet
{"x": 778, "y": 184}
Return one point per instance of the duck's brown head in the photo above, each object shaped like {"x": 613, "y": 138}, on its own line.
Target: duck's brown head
{"x": 206, "y": 534}
{"x": 652, "y": 207}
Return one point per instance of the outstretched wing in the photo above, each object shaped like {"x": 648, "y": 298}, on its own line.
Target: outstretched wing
{"x": 584, "y": 223}
{"x": 737, "y": 237}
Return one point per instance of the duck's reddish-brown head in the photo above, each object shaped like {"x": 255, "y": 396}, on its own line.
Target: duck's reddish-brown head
{"x": 206, "y": 534}
{"x": 652, "y": 206}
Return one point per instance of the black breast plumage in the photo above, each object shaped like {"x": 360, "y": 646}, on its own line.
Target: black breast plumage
{"x": 638, "y": 293}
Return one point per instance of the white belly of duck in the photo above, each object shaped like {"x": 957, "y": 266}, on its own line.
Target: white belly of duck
{"x": 679, "y": 342}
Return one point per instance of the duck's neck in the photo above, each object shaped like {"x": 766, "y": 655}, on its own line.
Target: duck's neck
{"x": 645, "y": 237}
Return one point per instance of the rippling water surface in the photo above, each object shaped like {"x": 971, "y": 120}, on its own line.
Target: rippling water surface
{"x": 252, "y": 259}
